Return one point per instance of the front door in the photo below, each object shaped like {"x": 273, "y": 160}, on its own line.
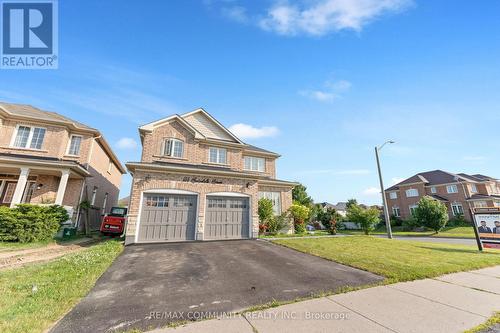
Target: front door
{"x": 7, "y": 193}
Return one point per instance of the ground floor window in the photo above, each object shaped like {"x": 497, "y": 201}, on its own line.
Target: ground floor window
{"x": 275, "y": 197}
{"x": 396, "y": 211}
{"x": 28, "y": 192}
{"x": 457, "y": 209}
{"x": 413, "y": 209}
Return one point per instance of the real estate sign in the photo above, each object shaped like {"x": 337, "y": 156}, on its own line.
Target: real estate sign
{"x": 487, "y": 225}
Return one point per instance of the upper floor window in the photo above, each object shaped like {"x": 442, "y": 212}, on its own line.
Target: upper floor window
{"x": 473, "y": 188}
{"x": 74, "y": 145}
{"x": 29, "y": 137}
{"x": 480, "y": 204}
{"x": 412, "y": 192}
{"x": 217, "y": 155}
{"x": 452, "y": 189}
{"x": 393, "y": 195}
{"x": 173, "y": 148}
{"x": 433, "y": 190}
{"x": 254, "y": 163}
{"x": 496, "y": 203}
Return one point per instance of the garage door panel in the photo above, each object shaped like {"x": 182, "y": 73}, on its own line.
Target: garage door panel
{"x": 227, "y": 218}
{"x": 167, "y": 217}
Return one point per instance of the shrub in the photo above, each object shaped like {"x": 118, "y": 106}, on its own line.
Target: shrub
{"x": 299, "y": 214}
{"x": 367, "y": 219}
{"x": 410, "y": 224}
{"x": 396, "y": 221}
{"x": 431, "y": 213}
{"x": 29, "y": 223}
{"x": 276, "y": 223}
{"x": 458, "y": 221}
{"x": 60, "y": 212}
{"x": 325, "y": 217}
{"x": 265, "y": 210}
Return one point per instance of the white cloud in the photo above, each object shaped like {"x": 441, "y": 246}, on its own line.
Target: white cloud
{"x": 331, "y": 91}
{"x": 244, "y": 131}
{"x": 236, "y": 13}
{"x": 372, "y": 191}
{"x": 320, "y": 17}
{"x": 126, "y": 143}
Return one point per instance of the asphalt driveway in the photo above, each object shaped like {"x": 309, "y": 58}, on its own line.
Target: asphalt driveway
{"x": 149, "y": 286}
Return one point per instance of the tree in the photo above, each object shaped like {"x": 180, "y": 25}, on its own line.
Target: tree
{"x": 367, "y": 219}
{"x": 299, "y": 214}
{"x": 351, "y": 202}
{"x": 299, "y": 195}
{"x": 326, "y": 216}
{"x": 265, "y": 210}
{"x": 431, "y": 213}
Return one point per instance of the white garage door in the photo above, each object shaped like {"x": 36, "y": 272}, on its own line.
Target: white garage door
{"x": 167, "y": 217}
{"x": 227, "y": 218}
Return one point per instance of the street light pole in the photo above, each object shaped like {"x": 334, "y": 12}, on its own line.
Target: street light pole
{"x": 384, "y": 201}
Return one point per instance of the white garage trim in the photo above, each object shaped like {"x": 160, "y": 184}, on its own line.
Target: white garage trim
{"x": 234, "y": 195}
{"x": 167, "y": 191}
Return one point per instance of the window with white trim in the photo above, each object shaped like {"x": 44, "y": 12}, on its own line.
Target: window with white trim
{"x": 29, "y": 137}
{"x": 275, "y": 197}
{"x": 412, "y": 192}
{"x": 396, "y": 211}
{"x": 457, "y": 209}
{"x": 173, "y": 148}
{"x": 413, "y": 209}
{"x": 253, "y": 163}
{"x": 433, "y": 189}
{"x": 217, "y": 155}
{"x": 393, "y": 195}
{"x": 452, "y": 188}
{"x": 480, "y": 204}
{"x": 473, "y": 188}
{"x": 75, "y": 143}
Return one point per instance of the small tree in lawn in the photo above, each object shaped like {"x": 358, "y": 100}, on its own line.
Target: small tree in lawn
{"x": 265, "y": 212}
{"x": 299, "y": 214}
{"x": 299, "y": 195}
{"x": 367, "y": 219}
{"x": 431, "y": 213}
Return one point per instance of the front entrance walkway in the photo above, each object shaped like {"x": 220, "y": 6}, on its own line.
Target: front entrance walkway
{"x": 451, "y": 303}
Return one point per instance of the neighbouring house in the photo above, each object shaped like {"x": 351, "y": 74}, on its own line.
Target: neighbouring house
{"x": 459, "y": 192}
{"x": 46, "y": 158}
{"x": 197, "y": 181}
{"x": 340, "y": 207}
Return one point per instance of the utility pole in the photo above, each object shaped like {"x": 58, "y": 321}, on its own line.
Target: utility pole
{"x": 384, "y": 201}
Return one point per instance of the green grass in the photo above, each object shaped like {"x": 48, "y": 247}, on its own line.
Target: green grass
{"x": 448, "y": 232}
{"x": 61, "y": 283}
{"x": 396, "y": 260}
{"x": 494, "y": 320}
{"x": 312, "y": 233}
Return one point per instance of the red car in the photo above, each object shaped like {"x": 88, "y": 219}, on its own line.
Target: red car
{"x": 114, "y": 222}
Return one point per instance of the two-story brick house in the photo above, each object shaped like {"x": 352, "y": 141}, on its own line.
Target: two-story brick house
{"x": 459, "y": 192}
{"x": 198, "y": 181}
{"x": 46, "y": 158}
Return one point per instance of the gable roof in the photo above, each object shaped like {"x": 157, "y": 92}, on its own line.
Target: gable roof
{"x": 204, "y": 126}
{"x": 430, "y": 178}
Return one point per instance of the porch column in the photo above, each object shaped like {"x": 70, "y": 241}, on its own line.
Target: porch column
{"x": 62, "y": 187}
{"x": 21, "y": 185}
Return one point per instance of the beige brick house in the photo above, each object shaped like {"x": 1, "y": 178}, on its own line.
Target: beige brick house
{"x": 46, "y": 158}
{"x": 198, "y": 181}
{"x": 459, "y": 192}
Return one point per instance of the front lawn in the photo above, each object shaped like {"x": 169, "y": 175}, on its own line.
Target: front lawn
{"x": 396, "y": 260}
{"x": 34, "y": 297}
{"x": 447, "y": 232}
{"x": 309, "y": 233}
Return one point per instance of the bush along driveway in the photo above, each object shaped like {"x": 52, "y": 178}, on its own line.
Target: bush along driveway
{"x": 36, "y": 296}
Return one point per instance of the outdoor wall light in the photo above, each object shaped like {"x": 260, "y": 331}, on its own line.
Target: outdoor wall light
{"x": 39, "y": 186}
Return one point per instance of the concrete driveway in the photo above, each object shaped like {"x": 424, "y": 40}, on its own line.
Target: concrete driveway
{"x": 149, "y": 286}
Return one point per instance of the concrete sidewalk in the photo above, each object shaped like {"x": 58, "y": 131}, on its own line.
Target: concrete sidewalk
{"x": 450, "y": 303}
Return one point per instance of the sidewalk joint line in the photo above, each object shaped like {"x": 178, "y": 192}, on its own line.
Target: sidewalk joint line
{"x": 362, "y": 315}
{"x": 438, "y": 302}
{"x": 473, "y": 288}
{"x": 249, "y": 323}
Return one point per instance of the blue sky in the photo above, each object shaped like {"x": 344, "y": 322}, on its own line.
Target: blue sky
{"x": 319, "y": 81}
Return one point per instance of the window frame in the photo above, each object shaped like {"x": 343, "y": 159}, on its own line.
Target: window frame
{"x": 473, "y": 188}
{"x": 273, "y": 196}
{"x": 68, "y": 153}
{"x": 257, "y": 158}
{"x": 30, "y": 137}
{"x": 410, "y": 190}
{"x": 412, "y": 207}
{"x": 164, "y": 148}
{"x": 433, "y": 190}
{"x": 455, "y": 205}
{"x": 454, "y": 186}
{"x": 393, "y": 195}
{"x": 218, "y": 155}
{"x": 396, "y": 209}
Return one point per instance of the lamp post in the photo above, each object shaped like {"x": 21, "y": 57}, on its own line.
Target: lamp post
{"x": 384, "y": 201}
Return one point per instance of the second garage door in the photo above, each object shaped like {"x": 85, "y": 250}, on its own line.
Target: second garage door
{"x": 167, "y": 217}
{"x": 227, "y": 218}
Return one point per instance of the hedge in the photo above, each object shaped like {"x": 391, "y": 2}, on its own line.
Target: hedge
{"x": 29, "y": 223}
